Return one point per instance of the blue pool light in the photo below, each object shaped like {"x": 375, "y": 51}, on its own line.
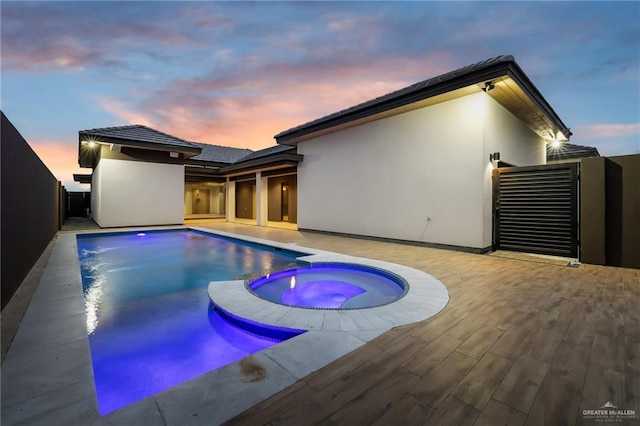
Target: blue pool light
{"x": 330, "y": 286}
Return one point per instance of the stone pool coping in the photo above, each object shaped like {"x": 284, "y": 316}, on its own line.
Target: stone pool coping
{"x": 47, "y": 376}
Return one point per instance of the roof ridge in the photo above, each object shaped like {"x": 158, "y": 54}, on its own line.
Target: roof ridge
{"x": 135, "y": 126}
{"x": 128, "y": 126}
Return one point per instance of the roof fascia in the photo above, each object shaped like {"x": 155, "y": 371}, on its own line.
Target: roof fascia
{"x": 501, "y": 69}
{"x": 196, "y": 162}
{"x": 82, "y": 178}
{"x": 516, "y": 74}
{"x": 486, "y": 74}
{"x": 281, "y": 159}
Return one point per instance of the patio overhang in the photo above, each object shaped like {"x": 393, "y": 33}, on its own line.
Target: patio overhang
{"x": 82, "y": 178}
{"x": 280, "y": 161}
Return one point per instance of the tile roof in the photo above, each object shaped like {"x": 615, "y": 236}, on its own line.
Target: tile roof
{"x": 568, "y": 151}
{"x": 138, "y": 133}
{"x": 268, "y": 151}
{"x": 220, "y": 154}
{"x": 537, "y": 114}
{"x": 144, "y": 136}
{"x": 399, "y": 94}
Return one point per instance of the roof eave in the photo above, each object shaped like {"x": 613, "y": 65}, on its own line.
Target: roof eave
{"x": 276, "y": 160}
{"x": 157, "y": 146}
{"x": 508, "y": 68}
{"x": 518, "y": 75}
{"x": 493, "y": 71}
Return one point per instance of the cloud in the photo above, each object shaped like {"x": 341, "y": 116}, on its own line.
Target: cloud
{"x": 247, "y": 109}
{"x": 608, "y": 131}
{"x": 74, "y": 36}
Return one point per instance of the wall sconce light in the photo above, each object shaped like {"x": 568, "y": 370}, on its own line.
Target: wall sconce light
{"x": 494, "y": 157}
{"x": 488, "y": 86}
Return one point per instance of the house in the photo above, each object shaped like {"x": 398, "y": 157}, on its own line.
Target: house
{"x": 416, "y": 165}
{"x": 142, "y": 176}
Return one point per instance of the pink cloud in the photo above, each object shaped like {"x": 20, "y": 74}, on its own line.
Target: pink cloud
{"x": 608, "y": 131}
{"x": 124, "y": 113}
{"x": 58, "y": 54}
{"x": 246, "y": 110}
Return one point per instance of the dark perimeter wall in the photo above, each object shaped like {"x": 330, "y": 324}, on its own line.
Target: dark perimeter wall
{"x": 610, "y": 211}
{"x": 30, "y": 208}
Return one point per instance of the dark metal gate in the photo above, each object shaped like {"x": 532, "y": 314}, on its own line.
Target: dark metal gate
{"x": 535, "y": 209}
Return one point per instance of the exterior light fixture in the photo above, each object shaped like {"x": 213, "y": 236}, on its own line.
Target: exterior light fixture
{"x": 91, "y": 144}
{"x": 488, "y": 86}
{"x": 494, "y": 157}
{"x": 555, "y": 144}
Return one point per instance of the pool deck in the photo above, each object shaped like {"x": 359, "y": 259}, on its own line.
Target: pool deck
{"x": 520, "y": 342}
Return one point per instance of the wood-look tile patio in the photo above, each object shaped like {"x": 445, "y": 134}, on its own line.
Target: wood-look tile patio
{"x": 519, "y": 343}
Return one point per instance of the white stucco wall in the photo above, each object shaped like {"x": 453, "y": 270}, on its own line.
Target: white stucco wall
{"x": 136, "y": 193}
{"x": 96, "y": 178}
{"x": 387, "y": 177}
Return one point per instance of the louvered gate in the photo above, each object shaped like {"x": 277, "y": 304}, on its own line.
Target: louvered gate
{"x": 535, "y": 209}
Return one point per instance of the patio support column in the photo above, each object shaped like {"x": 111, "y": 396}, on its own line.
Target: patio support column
{"x": 230, "y": 202}
{"x": 262, "y": 199}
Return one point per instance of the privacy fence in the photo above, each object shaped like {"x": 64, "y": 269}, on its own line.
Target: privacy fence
{"x": 32, "y": 208}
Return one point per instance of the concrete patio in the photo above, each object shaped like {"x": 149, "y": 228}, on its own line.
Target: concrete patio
{"x": 520, "y": 342}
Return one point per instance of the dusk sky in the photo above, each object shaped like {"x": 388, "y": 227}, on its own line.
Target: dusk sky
{"x": 238, "y": 73}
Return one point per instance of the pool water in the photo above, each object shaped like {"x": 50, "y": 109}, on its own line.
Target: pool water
{"x": 330, "y": 286}
{"x": 150, "y": 323}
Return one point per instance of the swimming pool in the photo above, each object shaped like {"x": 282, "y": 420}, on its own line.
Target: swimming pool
{"x": 330, "y": 286}
{"x": 149, "y": 317}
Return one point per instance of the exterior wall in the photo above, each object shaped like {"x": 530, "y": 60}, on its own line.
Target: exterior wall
{"x": 609, "y": 211}
{"x": 627, "y": 198}
{"x": 134, "y": 193}
{"x": 592, "y": 211}
{"x": 422, "y": 176}
{"x": 414, "y": 176}
{"x": 31, "y": 208}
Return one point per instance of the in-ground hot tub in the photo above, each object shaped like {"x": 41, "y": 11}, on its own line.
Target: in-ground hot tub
{"x": 330, "y": 286}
